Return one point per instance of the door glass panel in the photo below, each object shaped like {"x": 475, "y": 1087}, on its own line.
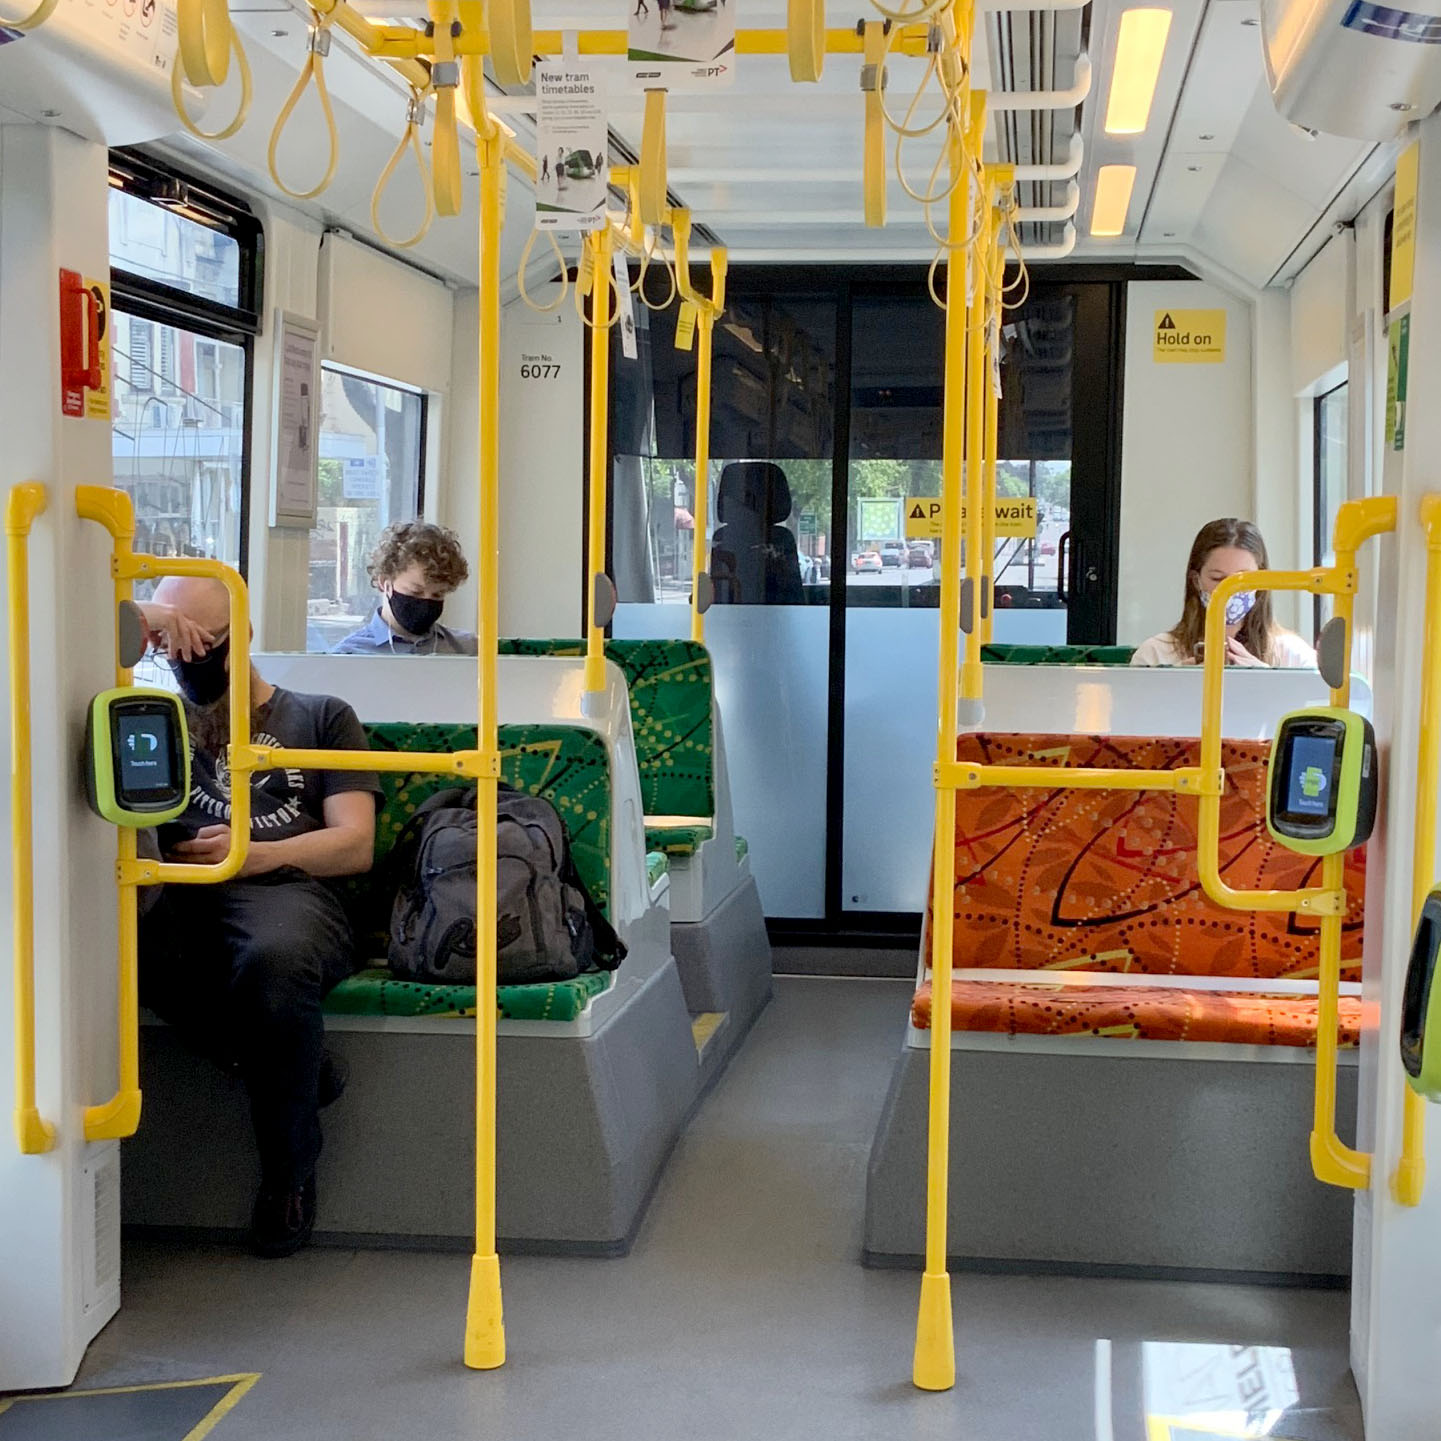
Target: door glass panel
{"x": 769, "y": 519}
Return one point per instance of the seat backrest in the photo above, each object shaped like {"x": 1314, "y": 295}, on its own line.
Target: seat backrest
{"x": 568, "y": 765}
{"x": 998, "y": 653}
{"x": 1107, "y": 880}
{"x": 672, "y": 693}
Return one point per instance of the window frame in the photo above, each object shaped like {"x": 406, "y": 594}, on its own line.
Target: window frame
{"x": 1319, "y": 524}
{"x": 147, "y": 299}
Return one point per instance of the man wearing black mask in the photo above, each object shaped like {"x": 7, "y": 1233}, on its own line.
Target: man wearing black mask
{"x": 414, "y": 566}
{"x": 244, "y": 965}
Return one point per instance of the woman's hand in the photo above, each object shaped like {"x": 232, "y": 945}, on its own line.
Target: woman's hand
{"x": 173, "y": 632}
{"x": 1237, "y": 654}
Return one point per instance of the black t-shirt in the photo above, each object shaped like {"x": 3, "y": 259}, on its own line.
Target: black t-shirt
{"x": 283, "y": 803}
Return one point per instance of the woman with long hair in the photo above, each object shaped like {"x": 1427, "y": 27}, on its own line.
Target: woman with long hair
{"x": 1253, "y": 638}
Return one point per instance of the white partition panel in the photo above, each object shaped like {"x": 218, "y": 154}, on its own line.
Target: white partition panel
{"x": 772, "y": 681}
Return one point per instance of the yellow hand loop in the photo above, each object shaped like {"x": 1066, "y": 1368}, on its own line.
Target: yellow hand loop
{"x": 411, "y": 140}
{"x": 177, "y": 94}
{"x": 36, "y": 18}
{"x": 525, "y": 264}
{"x": 511, "y": 41}
{"x": 314, "y": 69}
{"x": 652, "y": 194}
{"x": 206, "y": 36}
{"x": 445, "y": 80}
{"x": 806, "y": 39}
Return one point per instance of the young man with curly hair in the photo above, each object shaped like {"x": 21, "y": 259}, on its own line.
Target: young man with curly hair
{"x": 414, "y": 566}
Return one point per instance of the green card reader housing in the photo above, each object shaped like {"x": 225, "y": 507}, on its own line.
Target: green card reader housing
{"x": 1322, "y": 781}
{"x": 1421, "y": 1005}
{"x": 137, "y": 756}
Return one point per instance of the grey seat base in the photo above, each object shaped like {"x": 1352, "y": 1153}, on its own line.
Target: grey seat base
{"x": 1109, "y": 1164}
{"x": 725, "y": 959}
{"x": 584, "y": 1127}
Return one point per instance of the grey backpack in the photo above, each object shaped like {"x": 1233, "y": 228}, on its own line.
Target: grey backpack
{"x": 548, "y": 928}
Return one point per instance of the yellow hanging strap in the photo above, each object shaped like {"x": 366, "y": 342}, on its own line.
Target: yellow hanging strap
{"x": 316, "y": 49}
{"x": 36, "y": 18}
{"x": 651, "y": 194}
{"x": 205, "y": 36}
{"x": 525, "y": 264}
{"x": 177, "y": 93}
{"x": 414, "y": 117}
{"x": 512, "y": 43}
{"x": 873, "y": 152}
{"x": 445, "y": 81}
{"x": 806, "y": 39}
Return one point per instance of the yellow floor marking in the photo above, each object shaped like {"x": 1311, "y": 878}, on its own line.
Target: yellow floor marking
{"x": 704, "y": 1026}
{"x": 239, "y": 1384}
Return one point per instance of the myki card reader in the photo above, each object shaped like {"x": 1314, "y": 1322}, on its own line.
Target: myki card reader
{"x": 1322, "y": 781}
{"x": 137, "y": 756}
{"x": 1421, "y": 1005}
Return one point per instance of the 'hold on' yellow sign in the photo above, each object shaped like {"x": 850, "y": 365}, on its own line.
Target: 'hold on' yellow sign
{"x": 1015, "y": 517}
{"x": 1190, "y": 337}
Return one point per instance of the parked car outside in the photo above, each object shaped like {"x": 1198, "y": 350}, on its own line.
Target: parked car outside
{"x": 893, "y": 553}
{"x": 867, "y": 560}
{"x": 919, "y": 557}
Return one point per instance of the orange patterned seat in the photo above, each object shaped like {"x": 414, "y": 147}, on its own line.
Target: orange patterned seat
{"x": 1070, "y": 880}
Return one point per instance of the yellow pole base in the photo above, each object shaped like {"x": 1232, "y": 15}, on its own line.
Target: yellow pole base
{"x": 935, "y": 1363}
{"x": 1408, "y": 1183}
{"x": 484, "y": 1327}
{"x": 118, "y": 1118}
{"x": 35, "y": 1134}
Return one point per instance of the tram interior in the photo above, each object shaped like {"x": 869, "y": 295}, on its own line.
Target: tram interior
{"x": 821, "y": 494}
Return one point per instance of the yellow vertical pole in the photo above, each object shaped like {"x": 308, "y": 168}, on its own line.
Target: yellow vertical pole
{"x": 934, "y": 1365}
{"x": 971, "y": 680}
{"x": 484, "y": 1322}
{"x": 994, "y": 262}
{"x": 599, "y": 244}
{"x": 705, "y": 327}
{"x": 1409, "y": 1179}
{"x": 33, "y": 1133}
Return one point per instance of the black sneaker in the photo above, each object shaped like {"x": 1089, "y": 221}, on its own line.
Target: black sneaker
{"x": 282, "y": 1220}
{"x": 334, "y": 1073}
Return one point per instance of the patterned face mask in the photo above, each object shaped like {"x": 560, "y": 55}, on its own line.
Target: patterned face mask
{"x": 1237, "y": 608}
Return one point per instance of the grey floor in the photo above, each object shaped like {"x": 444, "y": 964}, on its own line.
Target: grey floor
{"x": 742, "y": 1312}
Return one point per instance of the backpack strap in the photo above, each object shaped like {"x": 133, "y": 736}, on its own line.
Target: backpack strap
{"x": 610, "y": 950}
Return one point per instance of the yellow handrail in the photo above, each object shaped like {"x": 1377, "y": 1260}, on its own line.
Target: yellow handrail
{"x": 598, "y": 243}
{"x": 484, "y": 1320}
{"x": 934, "y": 1363}
{"x": 34, "y": 1134}
{"x": 1409, "y": 1179}
{"x": 708, "y": 310}
{"x": 976, "y": 382}
{"x": 987, "y": 599}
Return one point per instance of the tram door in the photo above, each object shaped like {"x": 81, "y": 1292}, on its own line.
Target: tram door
{"x": 825, "y": 439}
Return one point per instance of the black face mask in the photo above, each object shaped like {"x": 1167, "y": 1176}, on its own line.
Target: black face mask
{"x": 205, "y": 680}
{"x": 413, "y": 614}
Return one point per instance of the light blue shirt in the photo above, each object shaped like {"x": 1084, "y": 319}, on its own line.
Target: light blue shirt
{"x": 377, "y": 638}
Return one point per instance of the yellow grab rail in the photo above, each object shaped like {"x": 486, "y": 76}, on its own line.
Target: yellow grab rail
{"x": 484, "y": 1320}
{"x": 991, "y": 427}
{"x": 598, "y": 593}
{"x": 708, "y": 310}
{"x": 934, "y": 1363}
{"x": 1409, "y": 1179}
{"x": 34, "y": 1134}
{"x": 976, "y": 382}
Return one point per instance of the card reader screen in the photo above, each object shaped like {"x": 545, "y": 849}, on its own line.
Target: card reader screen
{"x": 1310, "y": 775}
{"x": 145, "y": 760}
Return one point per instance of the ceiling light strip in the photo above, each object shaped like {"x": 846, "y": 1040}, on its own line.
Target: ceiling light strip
{"x": 1140, "y": 48}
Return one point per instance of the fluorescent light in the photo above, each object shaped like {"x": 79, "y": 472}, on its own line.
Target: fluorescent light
{"x": 1113, "y": 199}
{"x": 1140, "y": 46}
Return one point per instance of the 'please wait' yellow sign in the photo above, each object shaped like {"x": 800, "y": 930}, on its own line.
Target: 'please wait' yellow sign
{"x": 1015, "y": 517}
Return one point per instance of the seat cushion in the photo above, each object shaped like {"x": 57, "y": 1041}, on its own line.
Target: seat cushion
{"x": 677, "y": 840}
{"x": 1002, "y": 654}
{"x": 1140, "y": 1012}
{"x": 1107, "y": 880}
{"x": 377, "y": 992}
{"x": 657, "y": 864}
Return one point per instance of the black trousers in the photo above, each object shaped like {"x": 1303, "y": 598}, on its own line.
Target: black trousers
{"x": 241, "y": 969}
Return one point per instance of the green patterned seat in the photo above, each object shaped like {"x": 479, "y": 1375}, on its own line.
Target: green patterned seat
{"x": 671, "y": 685}
{"x": 997, "y": 654}
{"x": 677, "y": 840}
{"x": 570, "y": 767}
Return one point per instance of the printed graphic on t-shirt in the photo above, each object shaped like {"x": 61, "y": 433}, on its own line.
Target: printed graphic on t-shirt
{"x": 276, "y": 797}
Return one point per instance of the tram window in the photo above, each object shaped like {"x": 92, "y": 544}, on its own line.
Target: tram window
{"x": 372, "y": 460}
{"x": 185, "y": 285}
{"x": 1331, "y": 418}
